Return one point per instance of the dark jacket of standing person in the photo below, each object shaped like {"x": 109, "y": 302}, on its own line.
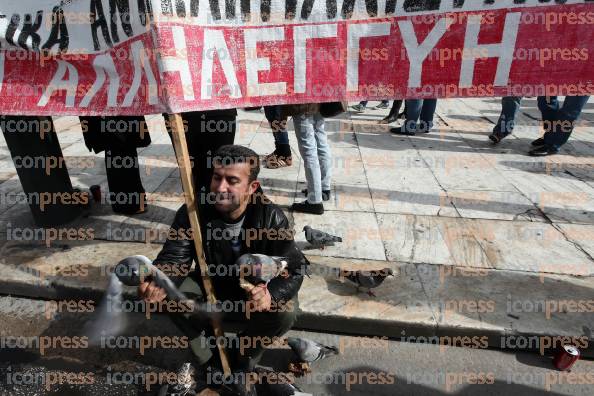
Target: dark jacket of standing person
{"x": 297, "y": 109}
{"x": 120, "y": 137}
{"x": 105, "y": 133}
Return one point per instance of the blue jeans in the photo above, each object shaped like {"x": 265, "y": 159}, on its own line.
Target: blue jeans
{"x": 419, "y": 109}
{"x": 559, "y": 121}
{"x": 278, "y": 124}
{"x": 315, "y": 151}
{"x": 510, "y": 105}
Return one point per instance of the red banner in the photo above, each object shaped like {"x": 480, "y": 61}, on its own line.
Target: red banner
{"x": 175, "y": 62}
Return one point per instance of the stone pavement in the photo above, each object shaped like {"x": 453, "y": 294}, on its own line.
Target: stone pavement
{"x": 416, "y": 368}
{"x": 483, "y": 238}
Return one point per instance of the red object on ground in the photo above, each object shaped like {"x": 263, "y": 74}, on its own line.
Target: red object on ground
{"x": 566, "y": 357}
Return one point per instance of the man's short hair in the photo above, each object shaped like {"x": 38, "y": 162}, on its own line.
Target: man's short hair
{"x": 235, "y": 154}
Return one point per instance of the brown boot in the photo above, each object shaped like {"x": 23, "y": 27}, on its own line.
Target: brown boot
{"x": 275, "y": 161}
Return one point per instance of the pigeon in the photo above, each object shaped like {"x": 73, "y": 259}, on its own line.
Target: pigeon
{"x": 319, "y": 238}
{"x": 310, "y": 351}
{"x": 108, "y": 322}
{"x": 134, "y": 270}
{"x": 256, "y": 269}
{"x": 131, "y": 271}
{"x": 367, "y": 279}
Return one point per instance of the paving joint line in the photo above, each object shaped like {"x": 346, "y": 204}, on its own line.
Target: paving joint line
{"x": 367, "y": 184}
{"x": 575, "y": 244}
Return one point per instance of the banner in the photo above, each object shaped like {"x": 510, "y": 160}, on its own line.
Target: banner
{"x": 90, "y": 57}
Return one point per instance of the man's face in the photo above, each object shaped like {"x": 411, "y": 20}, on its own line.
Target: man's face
{"x": 232, "y": 187}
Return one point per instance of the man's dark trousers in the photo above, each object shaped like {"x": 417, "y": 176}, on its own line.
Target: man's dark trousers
{"x": 419, "y": 115}
{"x": 259, "y": 324}
{"x": 559, "y": 121}
{"x": 510, "y": 105}
{"x": 206, "y": 132}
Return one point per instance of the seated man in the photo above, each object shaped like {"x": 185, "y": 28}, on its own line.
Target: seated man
{"x": 237, "y": 219}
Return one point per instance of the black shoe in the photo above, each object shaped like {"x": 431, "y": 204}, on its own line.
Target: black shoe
{"x": 358, "y": 108}
{"x": 541, "y": 151}
{"x": 496, "y": 137}
{"x": 400, "y": 131}
{"x": 538, "y": 142}
{"x": 382, "y": 105}
{"x": 306, "y": 207}
{"x": 325, "y": 194}
{"x": 388, "y": 120}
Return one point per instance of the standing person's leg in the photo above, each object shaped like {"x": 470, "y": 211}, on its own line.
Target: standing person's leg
{"x": 40, "y": 140}
{"x": 126, "y": 193}
{"x": 216, "y": 130}
{"x": 278, "y": 124}
{"x": 282, "y": 155}
{"x": 510, "y": 105}
{"x": 206, "y": 132}
{"x": 304, "y": 129}
{"x": 558, "y": 124}
{"x": 393, "y": 114}
{"x": 413, "y": 112}
{"x": 549, "y": 107}
{"x": 324, "y": 155}
{"x": 426, "y": 117}
{"x": 120, "y": 137}
{"x": 562, "y": 127}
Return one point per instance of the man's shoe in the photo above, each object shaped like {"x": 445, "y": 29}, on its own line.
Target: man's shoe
{"x": 496, "y": 137}
{"x": 388, "y": 120}
{"x": 306, "y": 207}
{"x": 541, "y": 151}
{"x": 382, "y": 105}
{"x": 400, "y": 131}
{"x": 325, "y": 194}
{"x": 538, "y": 142}
{"x": 358, "y": 108}
{"x": 187, "y": 384}
{"x": 275, "y": 161}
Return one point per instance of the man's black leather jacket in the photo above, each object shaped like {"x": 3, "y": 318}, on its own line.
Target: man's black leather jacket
{"x": 265, "y": 230}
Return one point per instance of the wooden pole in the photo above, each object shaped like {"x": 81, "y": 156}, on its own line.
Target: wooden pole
{"x": 185, "y": 171}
